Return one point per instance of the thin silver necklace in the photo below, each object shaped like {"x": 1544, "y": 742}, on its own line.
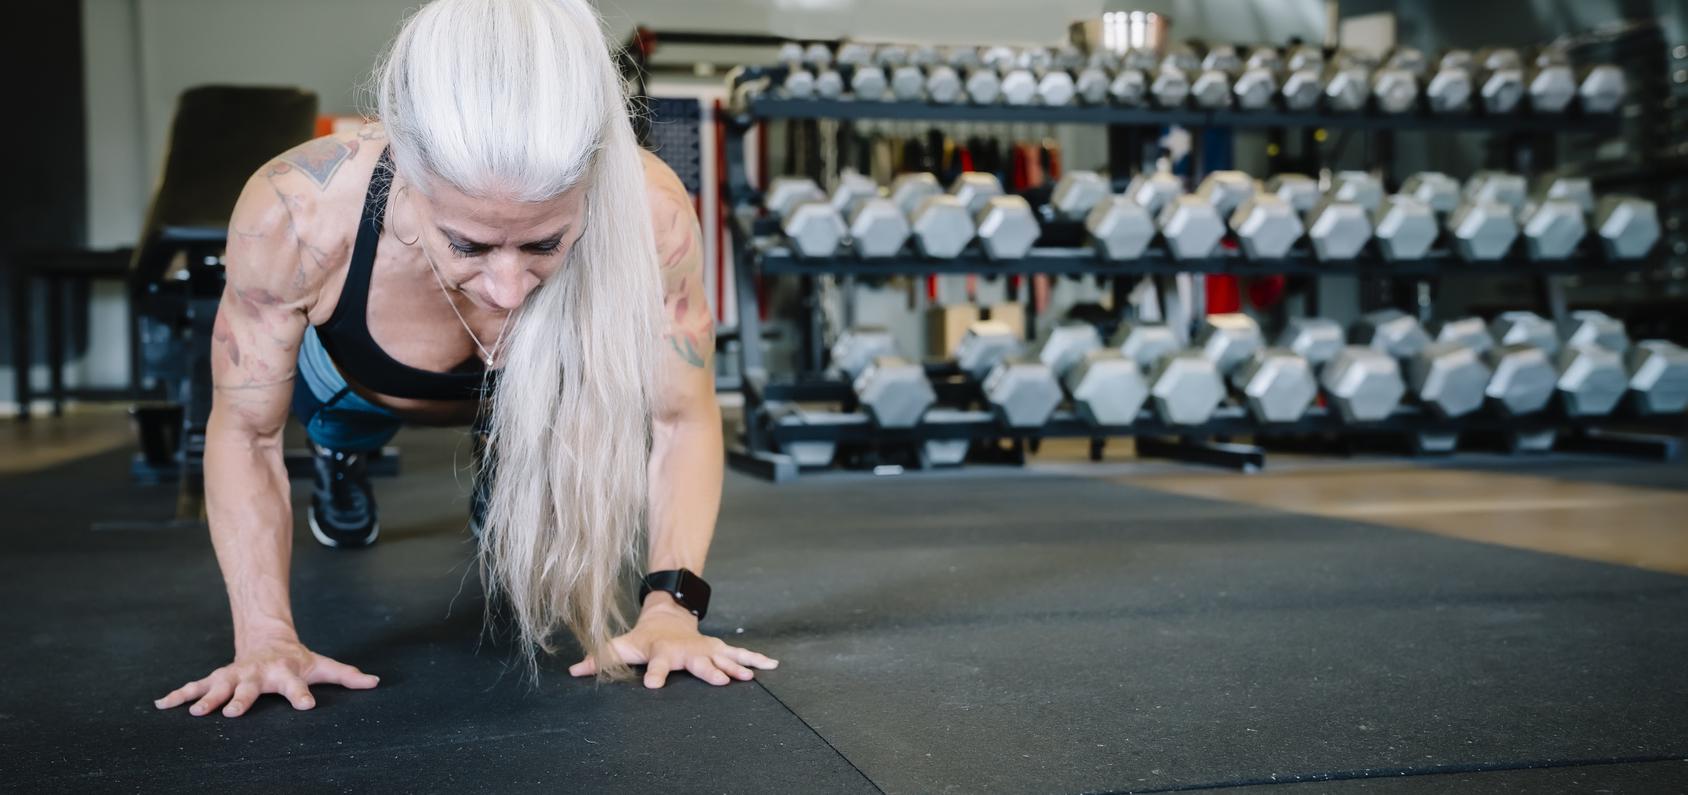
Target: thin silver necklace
{"x": 486, "y": 355}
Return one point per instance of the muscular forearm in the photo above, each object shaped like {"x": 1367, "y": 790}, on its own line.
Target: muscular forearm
{"x": 247, "y": 500}
{"x": 685, "y": 484}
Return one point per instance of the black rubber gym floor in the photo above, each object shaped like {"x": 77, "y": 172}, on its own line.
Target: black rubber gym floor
{"x": 973, "y": 632}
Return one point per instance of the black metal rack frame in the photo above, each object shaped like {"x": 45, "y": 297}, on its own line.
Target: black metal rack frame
{"x": 757, "y": 256}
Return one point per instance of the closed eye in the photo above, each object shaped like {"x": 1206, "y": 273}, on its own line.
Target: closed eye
{"x": 546, "y": 247}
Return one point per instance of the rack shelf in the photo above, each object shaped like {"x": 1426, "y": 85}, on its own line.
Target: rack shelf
{"x": 776, "y": 260}
{"x": 783, "y": 108}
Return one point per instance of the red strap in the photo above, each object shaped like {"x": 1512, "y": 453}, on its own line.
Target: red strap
{"x": 1222, "y": 294}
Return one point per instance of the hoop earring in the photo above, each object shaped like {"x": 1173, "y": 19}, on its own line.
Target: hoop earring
{"x": 412, "y": 241}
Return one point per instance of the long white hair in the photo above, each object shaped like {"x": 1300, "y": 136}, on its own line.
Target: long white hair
{"x": 520, "y": 99}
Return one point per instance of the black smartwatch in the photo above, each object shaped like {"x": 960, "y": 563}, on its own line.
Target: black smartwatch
{"x": 687, "y": 588}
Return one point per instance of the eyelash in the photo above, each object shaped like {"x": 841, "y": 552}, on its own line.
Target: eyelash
{"x": 472, "y": 251}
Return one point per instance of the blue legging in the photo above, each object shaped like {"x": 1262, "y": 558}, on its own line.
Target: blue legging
{"x": 334, "y": 416}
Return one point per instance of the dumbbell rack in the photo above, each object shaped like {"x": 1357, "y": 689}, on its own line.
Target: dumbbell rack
{"x": 757, "y": 255}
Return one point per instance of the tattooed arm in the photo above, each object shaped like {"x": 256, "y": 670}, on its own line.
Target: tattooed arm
{"x": 276, "y": 265}
{"x": 686, "y": 459}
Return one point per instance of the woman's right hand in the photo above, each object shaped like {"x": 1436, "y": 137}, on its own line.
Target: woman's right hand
{"x": 284, "y": 667}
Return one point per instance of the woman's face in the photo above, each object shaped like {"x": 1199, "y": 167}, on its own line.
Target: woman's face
{"x": 495, "y": 251}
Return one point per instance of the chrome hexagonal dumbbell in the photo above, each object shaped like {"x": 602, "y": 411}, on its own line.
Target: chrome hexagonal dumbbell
{"x": 1449, "y": 89}
{"x": 1552, "y": 228}
{"x": 1405, "y": 228}
{"x": 1523, "y": 381}
{"x": 857, "y": 347}
{"x": 1267, "y": 227}
{"x": 943, "y": 85}
{"x": 1497, "y": 186}
{"x": 1346, "y": 88}
{"x": 1658, "y": 377}
{"x": 1409, "y": 59}
{"x": 1226, "y": 190}
{"x": 1602, "y": 89}
{"x": 1211, "y": 89}
{"x": 1129, "y": 87}
{"x": 1064, "y": 346}
{"x": 1482, "y": 230}
{"x": 1593, "y": 327}
{"x": 785, "y": 193}
{"x": 1628, "y": 226}
{"x": 1186, "y": 388}
{"x": 1394, "y": 90}
{"x": 1316, "y": 339}
{"x": 1448, "y": 379}
{"x": 1302, "y": 89}
{"x": 984, "y": 345}
{"x": 1145, "y": 343}
{"x": 1006, "y": 228}
{"x": 909, "y": 190}
{"x": 1019, "y": 86}
{"x": 1023, "y": 392}
{"x": 1229, "y": 339}
{"x": 1550, "y": 86}
{"x": 1107, "y": 389}
{"x": 1119, "y": 228}
{"x": 1153, "y": 191}
{"x": 1500, "y": 80}
{"x": 894, "y": 392}
{"x": 852, "y": 189}
{"x": 1359, "y": 187}
{"x": 815, "y": 229}
{"x": 1363, "y": 384}
{"x": 878, "y": 229}
{"x": 1077, "y": 192}
{"x": 941, "y": 227}
{"x": 808, "y": 219}
{"x": 1276, "y": 385}
{"x": 1055, "y": 88}
{"x": 1338, "y": 230}
{"x": 1525, "y": 328}
{"x": 1591, "y": 380}
{"x": 1191, "y": 227}
{"x": 1391, "y": 331}
{"x": 1255, "y": 86}
{"x": 983, "y": 86}
{"x": 868, "y": 82}
{"x": 1470, "y": 332}
{"x": 1091, "y": 84}
{"x": 975, "y": 189}
{"x": 1169, "y": 87}
{"x": 1574, "y": 189}
{"x": 908, "y": 83}
{"x": 1440, "y": 191}
{"x": 1300, "y": 190}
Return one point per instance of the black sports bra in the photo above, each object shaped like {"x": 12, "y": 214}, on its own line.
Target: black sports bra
{"x": 346, "y": 334}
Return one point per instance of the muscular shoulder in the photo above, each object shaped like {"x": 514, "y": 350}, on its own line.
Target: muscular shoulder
{"x": 297, "y": 216}
{"x": 673, "y": 220}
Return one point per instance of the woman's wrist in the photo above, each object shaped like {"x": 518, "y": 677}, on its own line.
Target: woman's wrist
{"x": 661, "y": 602}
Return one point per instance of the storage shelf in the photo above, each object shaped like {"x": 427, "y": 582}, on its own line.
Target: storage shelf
{"x": 772, "y": 107}
{"x": 777, "y": 260}
{"x": 1227, "y": 422}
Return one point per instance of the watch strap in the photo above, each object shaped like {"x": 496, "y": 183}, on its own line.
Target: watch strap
{"x": 688, "y": 589}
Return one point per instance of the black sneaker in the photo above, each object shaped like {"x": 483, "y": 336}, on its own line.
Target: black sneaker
{"x": 483, "y": 485}
{"x": 343, "y": 504}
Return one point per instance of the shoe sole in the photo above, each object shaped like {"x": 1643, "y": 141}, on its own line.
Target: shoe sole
{"x": 326, "y": 541}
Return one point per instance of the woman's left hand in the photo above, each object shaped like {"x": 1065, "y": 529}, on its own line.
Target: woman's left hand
{"x": 666, "y": 638}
